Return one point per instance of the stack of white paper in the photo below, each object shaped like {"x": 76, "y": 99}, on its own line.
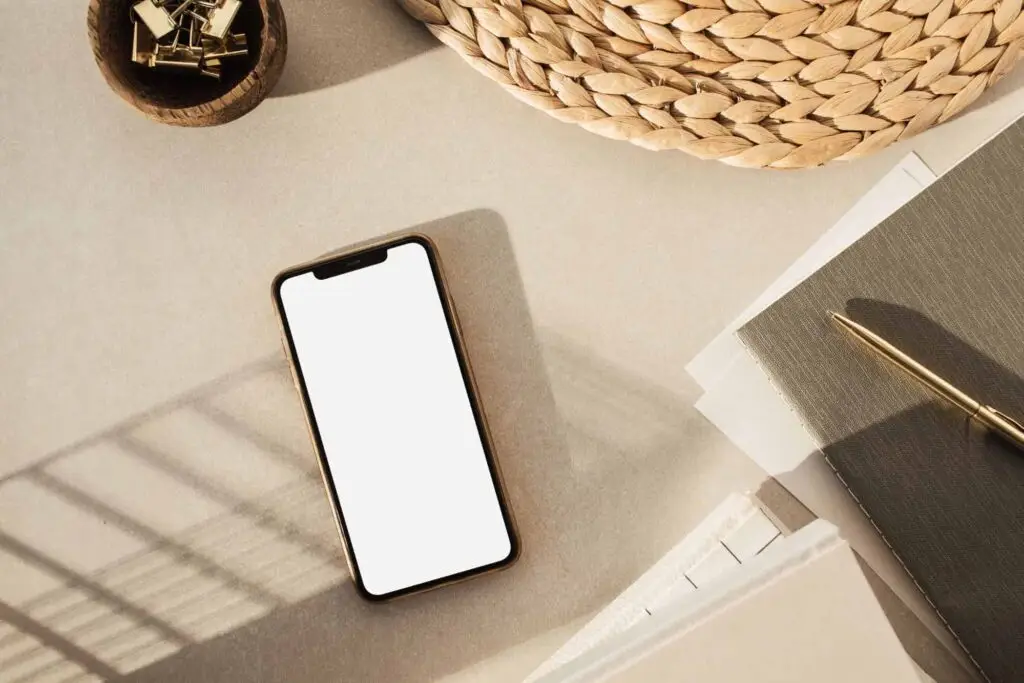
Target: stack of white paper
{"x": 801, "y": 611}
{"x": 742, "y": 402}
{"x": 734, "y": 533}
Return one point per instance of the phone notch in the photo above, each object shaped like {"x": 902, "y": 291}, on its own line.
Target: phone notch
{"x": 347, "y": 265}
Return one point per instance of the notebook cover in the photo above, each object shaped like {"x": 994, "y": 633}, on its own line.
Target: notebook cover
{"x": 943, "y": 279}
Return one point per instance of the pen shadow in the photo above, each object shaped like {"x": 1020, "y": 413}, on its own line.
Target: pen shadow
{"x": 943, "y": 352}
{"x": 947, "y": 492}
{"x": 331, "y": 42}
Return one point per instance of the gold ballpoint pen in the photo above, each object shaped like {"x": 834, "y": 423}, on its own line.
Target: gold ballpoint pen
{"x": 1001, "y": 424}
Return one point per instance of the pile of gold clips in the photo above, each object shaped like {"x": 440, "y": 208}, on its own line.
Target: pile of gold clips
{"x": 186, "y": 34}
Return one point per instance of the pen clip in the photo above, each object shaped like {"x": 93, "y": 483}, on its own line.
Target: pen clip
{"x": 1006, "y": 417}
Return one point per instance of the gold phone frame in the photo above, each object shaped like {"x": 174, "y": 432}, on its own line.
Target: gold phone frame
{"x": 338, "y": 260}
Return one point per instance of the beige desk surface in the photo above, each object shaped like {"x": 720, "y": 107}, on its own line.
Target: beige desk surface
{"x": 149, "y": 433}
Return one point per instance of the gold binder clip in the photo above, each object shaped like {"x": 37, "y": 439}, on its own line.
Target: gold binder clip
{"x": 157, "y": 19}
{"x": 177, "y": 57}
{"x": 180, "y": 9}
{"x": 220, "y": 18}
{"x": 234, "y": 45}
{"x": 143, "y": 43}
{"x": 158, "y": 38}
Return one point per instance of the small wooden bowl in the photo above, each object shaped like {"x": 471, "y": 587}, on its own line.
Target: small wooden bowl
{"x": 187, "y": 99}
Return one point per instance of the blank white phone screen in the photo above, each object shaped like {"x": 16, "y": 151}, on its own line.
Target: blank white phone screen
{"x": 395, "y": 420}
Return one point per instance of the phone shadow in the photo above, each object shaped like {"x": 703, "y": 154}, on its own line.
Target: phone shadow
{"x": 604, "y": 473}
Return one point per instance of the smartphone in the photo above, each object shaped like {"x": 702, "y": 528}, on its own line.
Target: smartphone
{"x": 395, "y": 419}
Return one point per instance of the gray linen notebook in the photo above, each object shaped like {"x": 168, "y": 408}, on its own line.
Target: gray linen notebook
{"x": 943, "y": 279}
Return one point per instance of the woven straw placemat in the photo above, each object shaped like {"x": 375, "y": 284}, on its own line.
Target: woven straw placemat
{"x": 756, "y": 83}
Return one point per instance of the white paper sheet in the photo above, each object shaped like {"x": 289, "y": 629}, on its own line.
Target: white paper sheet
{"x": 764, "y": 621}
{"x": 732, "y": 534}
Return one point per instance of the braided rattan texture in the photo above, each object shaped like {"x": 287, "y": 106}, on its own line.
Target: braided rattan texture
{"x": 754, "y": 83}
